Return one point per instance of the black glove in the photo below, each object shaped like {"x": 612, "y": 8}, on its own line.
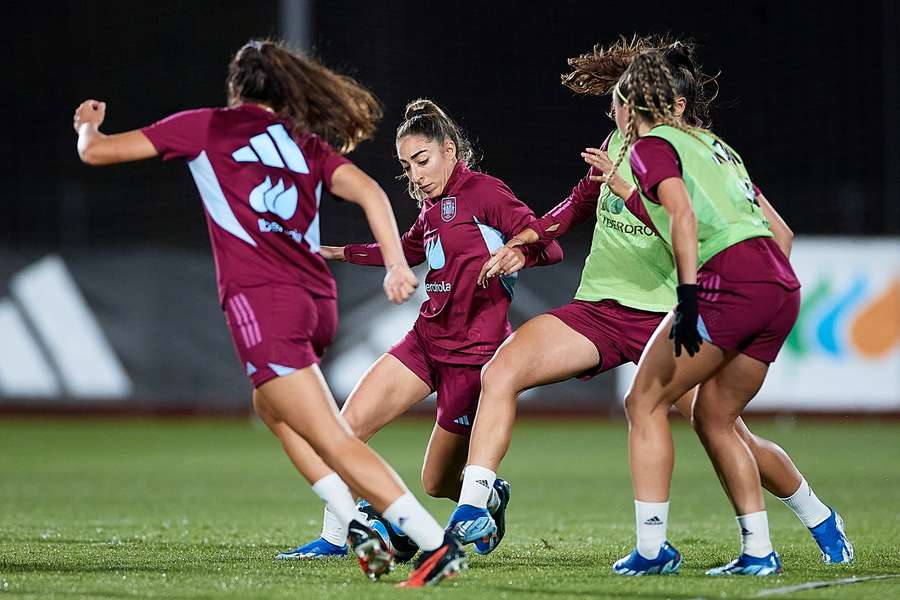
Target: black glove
{"x": 684, "y": 329}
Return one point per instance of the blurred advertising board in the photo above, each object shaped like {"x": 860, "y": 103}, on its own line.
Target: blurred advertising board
{"x": 843, "y": 354}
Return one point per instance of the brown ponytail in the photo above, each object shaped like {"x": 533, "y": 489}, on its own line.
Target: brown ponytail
{"x": 314, "y": 98}
{"x": 597, "y": 72}
{"x": 424, "y": 117}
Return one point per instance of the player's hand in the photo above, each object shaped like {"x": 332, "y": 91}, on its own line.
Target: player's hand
{"x": 332, "y": 252}
{"x": 600, "y": 160}
{"x": 684, "y": 328}
{"x": 506, "y": 260}
{"x": 400, "y": 283}
{"x": 89, "y": 112}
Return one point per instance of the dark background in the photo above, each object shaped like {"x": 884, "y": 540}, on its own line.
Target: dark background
{"x": 809, "y": 96}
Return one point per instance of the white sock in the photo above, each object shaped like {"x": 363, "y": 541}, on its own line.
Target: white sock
{"x": 755, "y": 534}
{"x": 477, "y": 485}
{"x": 336, "y": 495}
{"x": 651, "y": 520}
{"x": 493, "y": 502}
{"x": 416, "y": 522}
{"x": 332, "y": 529}
{"x": 807, "y": 506}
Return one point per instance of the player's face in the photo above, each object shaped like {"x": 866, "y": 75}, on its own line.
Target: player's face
{"x": 427, "y": 163}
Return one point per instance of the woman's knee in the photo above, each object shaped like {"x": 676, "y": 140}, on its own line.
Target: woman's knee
{"x": 438, "y": 485}
{"x": 358, "y": 422}
{"x": 709, "y": 419}
{"x": 501, "y": 373}
{"x": 639, "y": 406}
{"x": 431, "y": 484}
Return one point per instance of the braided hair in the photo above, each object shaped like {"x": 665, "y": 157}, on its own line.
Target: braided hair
{"x": 648, "y": 89}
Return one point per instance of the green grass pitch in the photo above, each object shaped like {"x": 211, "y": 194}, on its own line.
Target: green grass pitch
{"x": 197, "y": 509}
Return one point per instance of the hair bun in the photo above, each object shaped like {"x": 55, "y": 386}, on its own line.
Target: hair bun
{"x": 679, "y": 54}
{"x": 420, "y": 108}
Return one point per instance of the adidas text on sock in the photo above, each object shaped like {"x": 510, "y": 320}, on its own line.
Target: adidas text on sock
{"x": 478, "y": 482}
{"x": 754, "y": 529}
{"x": 651, "y": 521}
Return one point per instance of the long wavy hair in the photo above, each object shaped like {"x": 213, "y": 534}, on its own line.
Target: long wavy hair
{"x": 299, "y": 88}
{"x": 597, "y": 72}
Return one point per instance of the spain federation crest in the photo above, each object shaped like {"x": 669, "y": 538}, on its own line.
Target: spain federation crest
{"x": 448, "y": 208}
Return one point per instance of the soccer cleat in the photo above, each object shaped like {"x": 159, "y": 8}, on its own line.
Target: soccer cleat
{"x": 667, "y": 561}
{"x": 471, "y": 524}
{"x": 832, "y": 541}
{"x": 404, "y": 549}
{"x": 432, "y": 566}
{"x": 750, "y": 565}
{"x": 319, "y": 548}
{"x": 374, "y": 556}
{"x": 486, "y": 546}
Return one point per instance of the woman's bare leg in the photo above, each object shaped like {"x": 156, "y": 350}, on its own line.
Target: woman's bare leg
{"x": 720, "y": 402}
{"x": 661, "y": 379}
{"x": 445, "y": 459}
{"x": 777, "y": 471}
{"x": 544, "y": 350}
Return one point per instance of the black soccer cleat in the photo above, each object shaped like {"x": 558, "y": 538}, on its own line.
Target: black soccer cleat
{"x": 374, "y": 556}
{"x": 404, "y": 548}
{"x": 432, "y": 566}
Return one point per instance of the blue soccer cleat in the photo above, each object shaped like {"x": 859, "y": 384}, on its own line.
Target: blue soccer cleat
{"x": 750, "y": 565}
{"x": 488, "y": 545}
{"x": 470, "y": 524}
{"x": 832, "y": 541}
{"x": 320, "y": 548}
{"x": 666, "y": 562}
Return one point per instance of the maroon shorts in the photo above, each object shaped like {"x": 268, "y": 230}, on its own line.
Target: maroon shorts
{"x": 749, "y": 299}
{"x": 619, "y": 333}
{"x": 458, "y": 386}
{"x": 278, "y": 328}
{"x": 753, "y": 318}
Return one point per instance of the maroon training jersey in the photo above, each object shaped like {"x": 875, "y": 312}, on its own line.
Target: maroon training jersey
{"x": 456, "y": 233}
{"x": 261, "y": 186}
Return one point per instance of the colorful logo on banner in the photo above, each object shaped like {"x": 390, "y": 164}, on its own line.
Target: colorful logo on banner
{"x": 851, "y": 320}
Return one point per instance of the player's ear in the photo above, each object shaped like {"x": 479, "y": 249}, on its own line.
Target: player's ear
{"x": 680, "y": 106}
{"x": 449, "y": 149}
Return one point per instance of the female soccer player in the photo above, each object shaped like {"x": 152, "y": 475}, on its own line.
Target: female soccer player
{"x": 260, "y": 165}
{"x": 464, "y": 216}
{"x": 736, "y": 290}
{"x": 627, "y": 285}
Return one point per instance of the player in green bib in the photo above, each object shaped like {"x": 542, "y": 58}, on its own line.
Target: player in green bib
{"x": 736, "y": 291}
{"x": 627, "y": 286}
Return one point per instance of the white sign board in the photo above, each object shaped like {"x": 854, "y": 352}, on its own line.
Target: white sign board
{"x": 844, "y": 352}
